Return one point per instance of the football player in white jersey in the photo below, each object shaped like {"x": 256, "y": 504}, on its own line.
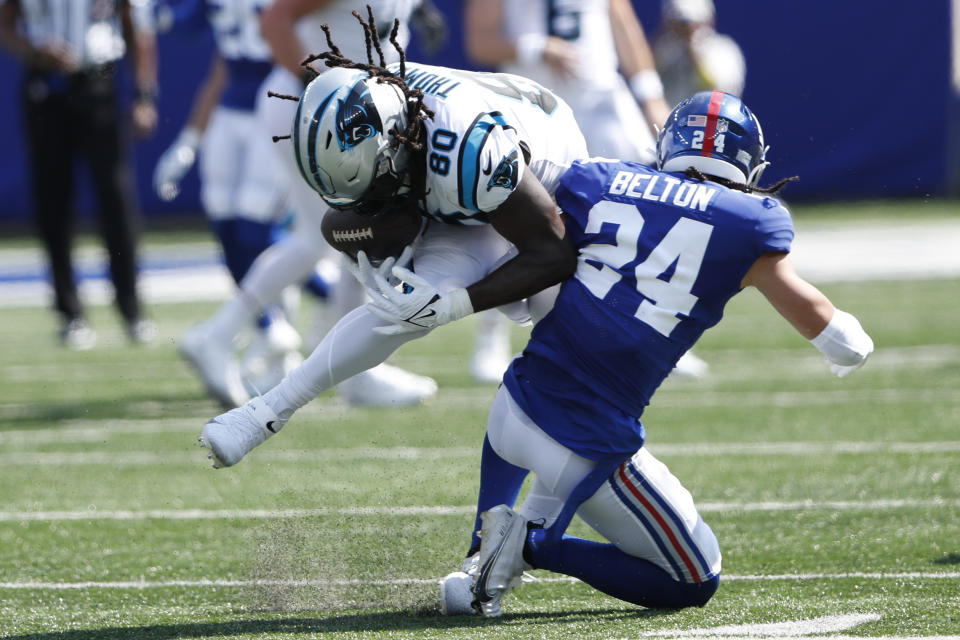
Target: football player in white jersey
{"x": 481, "y": 153}
{"x": 290, "y": 27}
{"x": 242, "y": 196}
{"x": 593, "y": 54}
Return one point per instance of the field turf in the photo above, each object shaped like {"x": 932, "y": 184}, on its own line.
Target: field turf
{"x": 836, "y": 502}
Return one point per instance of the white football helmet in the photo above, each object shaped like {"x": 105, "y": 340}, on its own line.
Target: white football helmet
{"x": 341, "y": 140}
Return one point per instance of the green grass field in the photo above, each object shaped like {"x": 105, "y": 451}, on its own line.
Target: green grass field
{"x": 832, "y": 499}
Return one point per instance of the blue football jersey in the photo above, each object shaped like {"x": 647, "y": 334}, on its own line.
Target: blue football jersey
{"x": 236, "y": 31}
{"x": 659, "y": 257}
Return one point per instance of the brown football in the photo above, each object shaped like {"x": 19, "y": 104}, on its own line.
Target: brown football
{"x": 381, "y": 236}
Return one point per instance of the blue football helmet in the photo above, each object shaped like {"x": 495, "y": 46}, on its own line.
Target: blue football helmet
{"x": 715, "y": 133}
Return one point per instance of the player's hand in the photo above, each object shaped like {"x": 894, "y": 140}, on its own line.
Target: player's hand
{"x": 561, "y": 56}
{"x": 175, "y": 163}
{"x": 53, "y": 58}
{"x": 420, "y": 307}
{"x": 384, "y": 269}
{"x": 144, "y": 116}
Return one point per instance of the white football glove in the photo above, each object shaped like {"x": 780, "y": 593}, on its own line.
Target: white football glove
{"x": 175, "y": 163}
{"x": 421, "y": 308}
{"x": 384, "y": 269}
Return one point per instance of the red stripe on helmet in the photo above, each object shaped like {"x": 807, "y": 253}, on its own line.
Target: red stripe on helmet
{"x": 712, "y": 112}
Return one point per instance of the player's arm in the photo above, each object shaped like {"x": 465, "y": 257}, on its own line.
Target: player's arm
{"x": 141, "y": 42}
{"x": 49, "y": 58}
{"x": 486, "y": 43}
{"x": 528, "y": 218}
{"x": 835, "y": 333}
{"x": 180, "y": 156}
{"x": 636, "y": 62}
{"x": 277, "y": 24}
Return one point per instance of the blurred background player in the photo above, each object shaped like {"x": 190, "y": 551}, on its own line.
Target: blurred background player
{"x": 593, "y": 54}
{"x": 691, "y": 56}
{"x": 292, "y": 28}
{"x": 243, "y": 195}
{"x": 70, "y": 50}
{"x": 569, "y": 409}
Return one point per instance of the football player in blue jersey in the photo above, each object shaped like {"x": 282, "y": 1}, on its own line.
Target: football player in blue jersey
{"x": 660, "y": 252}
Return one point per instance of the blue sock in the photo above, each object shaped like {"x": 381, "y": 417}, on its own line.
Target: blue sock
{"x": 608, "y": 569}
{"x": 317, "y": 286}
{"x": 242, "y": 241}
{"x": 500, "y": 483}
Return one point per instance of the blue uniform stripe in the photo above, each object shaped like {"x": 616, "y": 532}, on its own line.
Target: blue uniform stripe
{"x": 312, "y": 142}
{"x": 667, "y": 510}
{"x": 652, "y": 528}
{"x": 469, "y": 157}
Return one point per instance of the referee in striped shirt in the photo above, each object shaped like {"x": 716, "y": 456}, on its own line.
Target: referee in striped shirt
{"x": 70, "y": 50}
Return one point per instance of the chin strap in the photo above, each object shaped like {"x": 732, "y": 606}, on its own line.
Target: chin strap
{"x": 755, "y": 174}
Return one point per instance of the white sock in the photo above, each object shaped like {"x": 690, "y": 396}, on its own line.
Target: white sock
{"x": 350, "y": 347}
{"x": 232, "y": 316}
{"x": 287, "y": 262}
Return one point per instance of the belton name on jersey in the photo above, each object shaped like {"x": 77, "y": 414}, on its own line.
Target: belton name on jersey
{"x": 660, "y": 255}
{"x": 487, "y": 129}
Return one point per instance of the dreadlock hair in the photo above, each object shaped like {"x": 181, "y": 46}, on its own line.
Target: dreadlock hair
{"x": 696, "y": 174}
{"x": 413, "y": 135}
{"x": 417, "y": 112}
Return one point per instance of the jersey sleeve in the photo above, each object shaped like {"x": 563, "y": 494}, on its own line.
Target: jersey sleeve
{"x": 774, "y": 227}
{"x": 490, "y": 164}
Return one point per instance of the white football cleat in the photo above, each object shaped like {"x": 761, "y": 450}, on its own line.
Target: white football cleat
{"x": 491, "y": 350}
{"x": 387, "y": 386}
{"x": 456, "y": 589}
{"x": 215, "y": 363}
{"x": 233, "y": 434}
{"x": 690, "y": 366}
{"x": 271, "y": 355}
{"x": 78, "y": 336}
{"x": 502, "y": 537}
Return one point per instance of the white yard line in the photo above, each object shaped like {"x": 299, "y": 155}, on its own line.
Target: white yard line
{"x": 163, "y": 584}
{"x": 176, "y": 273}
{"x": 454, "y": 510}
{"x": 670, "y": 397}
{"x": 195, "y": 456}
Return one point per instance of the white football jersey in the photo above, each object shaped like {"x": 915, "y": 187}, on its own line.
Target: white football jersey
{"x": 487, "y": 130}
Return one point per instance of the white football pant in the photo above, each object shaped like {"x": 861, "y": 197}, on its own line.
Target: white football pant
{"x": 642, "y": 508}
{"x": 235, "y": 180}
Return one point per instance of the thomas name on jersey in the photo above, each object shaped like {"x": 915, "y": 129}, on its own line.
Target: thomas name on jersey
{"x": 659, "y": 188}
{"x": 430, "y": 83}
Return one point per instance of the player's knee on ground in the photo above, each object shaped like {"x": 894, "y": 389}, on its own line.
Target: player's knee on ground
{"x": 696, "y": 594}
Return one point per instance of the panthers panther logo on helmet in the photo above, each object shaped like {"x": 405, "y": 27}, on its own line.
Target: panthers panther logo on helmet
{"x": 357, "y": 117}
{"x": 341, "y": 138}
